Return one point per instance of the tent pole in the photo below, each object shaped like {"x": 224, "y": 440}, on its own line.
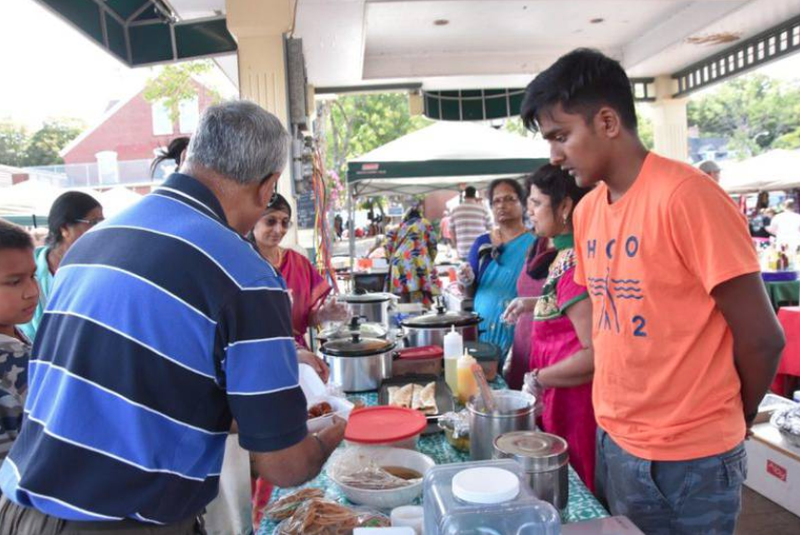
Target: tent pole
{"x": 351, "y": 226}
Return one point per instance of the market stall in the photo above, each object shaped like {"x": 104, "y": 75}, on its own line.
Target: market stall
{"x": 582, "y": 504}
{"x": 445, "y": 155}
{"x": 777, "y": 169}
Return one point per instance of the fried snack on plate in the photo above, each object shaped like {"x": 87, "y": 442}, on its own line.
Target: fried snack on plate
{"x": 286, "y": 506}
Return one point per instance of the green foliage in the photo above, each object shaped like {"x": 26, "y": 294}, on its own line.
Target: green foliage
{"x": 18, "y": 148}
{"x": 13, "y": 140}
{"x": 45, "y": 144}
{"x": 357, "y": 124}
{"x": 645, "y": 130}
{"x": 173, "y": 84}
{"x": 753, "y": 111}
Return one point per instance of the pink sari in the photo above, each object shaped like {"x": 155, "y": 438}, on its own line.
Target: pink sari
{"x": 307, "y": 288}
{"x": 568, "y": 412}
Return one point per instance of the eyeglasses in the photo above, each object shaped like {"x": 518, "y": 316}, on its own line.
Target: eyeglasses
{"x": 272, "y": 221}
{"x": 90, "y": 222}
{"x": 508, "y": 199}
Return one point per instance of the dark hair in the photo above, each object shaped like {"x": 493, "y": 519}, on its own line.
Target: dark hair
{"x": 279, "y": 203}
{"x": 13, "y": 236}
{"x": 412, "y": 213}
{"x": 511, "y": 182}
{"x": 470, "y": 192}
{"x": 556, "y": 184}
{"x": 174, "y": 151}
{"x": 66, "y": 210}
{"x": 582, "y": 82}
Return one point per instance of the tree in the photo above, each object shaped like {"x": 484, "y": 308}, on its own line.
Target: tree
{"x": 752, "y": 111}
{"x": 173, "y": 85}
{"x": 47, "y": 142}
{"x": 13, "y": 141}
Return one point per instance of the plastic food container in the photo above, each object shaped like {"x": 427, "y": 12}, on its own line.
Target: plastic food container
{"x": 489, "y": 497}
{"x": 487, "y": 355}
{"x": 425, "y": 360}
{"x": 315, "y": 392}
{"x": 385, "y": 426}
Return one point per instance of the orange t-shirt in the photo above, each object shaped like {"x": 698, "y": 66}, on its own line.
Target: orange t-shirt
{"x": 665, "y": 385}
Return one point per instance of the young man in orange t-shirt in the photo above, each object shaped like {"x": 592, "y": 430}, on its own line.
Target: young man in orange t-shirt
{"x": 685, "y": 340}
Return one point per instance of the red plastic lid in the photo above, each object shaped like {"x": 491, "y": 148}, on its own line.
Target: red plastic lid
{"x": 376, "y": 425}
{"x": 423, "y": 352}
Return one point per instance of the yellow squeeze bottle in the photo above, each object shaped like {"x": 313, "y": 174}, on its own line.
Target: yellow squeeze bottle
{"x": 467, "y": 387}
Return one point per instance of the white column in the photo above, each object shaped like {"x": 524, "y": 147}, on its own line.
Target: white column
{"x": 259, "y": 26}
{"x": 670, "y": 129}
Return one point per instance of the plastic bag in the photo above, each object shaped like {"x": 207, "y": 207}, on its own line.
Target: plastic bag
{"x": 324, "y": 517}
{"x": 355, "y": 467}
{"x": 456, "y": 422}
{"x": 787, "y": 419}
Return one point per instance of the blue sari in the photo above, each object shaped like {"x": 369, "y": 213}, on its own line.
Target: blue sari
{"x": 496, "y": 271}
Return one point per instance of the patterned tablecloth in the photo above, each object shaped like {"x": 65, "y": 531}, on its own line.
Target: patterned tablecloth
{"x": 582, "y": 504}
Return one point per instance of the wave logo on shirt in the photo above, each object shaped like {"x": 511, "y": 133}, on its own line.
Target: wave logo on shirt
{"x": 611, "y": 290}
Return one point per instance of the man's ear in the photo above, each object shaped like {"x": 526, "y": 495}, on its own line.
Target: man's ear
{"x": 607, "y": 122}
{"x": 267, "y": 188}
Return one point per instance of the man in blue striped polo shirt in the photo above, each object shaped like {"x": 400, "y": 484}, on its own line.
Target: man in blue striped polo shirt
{"x": 164, "y": 326}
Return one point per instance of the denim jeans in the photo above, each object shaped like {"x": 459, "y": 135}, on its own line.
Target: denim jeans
{"x": 698, "y": 496}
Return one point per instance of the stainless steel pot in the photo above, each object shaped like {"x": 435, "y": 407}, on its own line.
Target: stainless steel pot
{"x": 357, "y": 324}
{"x": 516, "y": 411}
{"x": 359, "y": 364}
{"x": 545, "y": 459}
{"x": 373, "y": 306}
{"x": 430, "y": 329}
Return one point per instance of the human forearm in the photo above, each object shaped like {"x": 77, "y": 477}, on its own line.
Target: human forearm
{"x": 299, "y": 463}
{"x": 756, "y": 366}
{"x": 574, "y": 370}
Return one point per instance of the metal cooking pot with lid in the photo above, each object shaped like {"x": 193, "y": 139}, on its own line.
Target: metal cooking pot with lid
{"x": 429, "y": 329}
{"x": 358, "y": 364}
{"x": 357, "y": 324}
{"x": 373, "y": 306}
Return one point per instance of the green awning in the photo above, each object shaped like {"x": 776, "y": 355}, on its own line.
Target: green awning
{"x": 144, "y": 32}
{"x": 445, "y": 155}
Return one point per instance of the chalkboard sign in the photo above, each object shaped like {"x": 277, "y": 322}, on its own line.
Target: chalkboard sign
{"x": 305, "y": 210}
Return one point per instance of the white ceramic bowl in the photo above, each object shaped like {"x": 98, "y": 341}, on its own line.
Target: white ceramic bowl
{"x": 390, "y": 498}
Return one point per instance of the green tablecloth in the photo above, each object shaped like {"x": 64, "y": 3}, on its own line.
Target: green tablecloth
{"x": 582, "y": 504}
{"x": 785, "y": 293}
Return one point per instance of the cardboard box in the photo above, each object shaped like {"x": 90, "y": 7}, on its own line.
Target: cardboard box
{"x": 773, "y": 467}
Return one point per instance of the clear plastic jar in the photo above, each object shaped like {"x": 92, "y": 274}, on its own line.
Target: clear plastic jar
{"x": 495, "y": 499}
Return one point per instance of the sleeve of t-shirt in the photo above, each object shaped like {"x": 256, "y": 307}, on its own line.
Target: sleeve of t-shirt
{"x": 260, "y": 368}
{"x": 579, "y": 277}
{"x": 710, "y": 233}
{"x": 568, "y": 292}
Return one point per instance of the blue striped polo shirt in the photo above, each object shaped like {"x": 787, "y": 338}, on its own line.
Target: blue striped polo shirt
{"x": 163, "y": 326}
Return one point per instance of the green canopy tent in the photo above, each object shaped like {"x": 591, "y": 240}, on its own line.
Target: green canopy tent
{"x": 445, "y": 155}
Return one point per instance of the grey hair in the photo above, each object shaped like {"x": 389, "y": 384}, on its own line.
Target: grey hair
{"x": 239, "y": 140}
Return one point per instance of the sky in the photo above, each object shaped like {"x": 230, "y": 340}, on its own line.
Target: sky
{"x": 50, "y": 70}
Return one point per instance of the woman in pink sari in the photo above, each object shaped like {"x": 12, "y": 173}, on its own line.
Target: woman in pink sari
{"x": 308, "y": 290}
{"x": 561, "y": 359}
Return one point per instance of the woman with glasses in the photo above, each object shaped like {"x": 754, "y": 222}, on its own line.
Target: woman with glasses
{"x": 561, "y": 356}
{"x": 495, "y": 262}
{"x": 307, "y": 287}
{"x": 411, "y": 250}
{"x": 73, "y": 213}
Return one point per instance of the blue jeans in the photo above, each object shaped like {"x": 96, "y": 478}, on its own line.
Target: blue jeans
{"x": 699, "y": 496}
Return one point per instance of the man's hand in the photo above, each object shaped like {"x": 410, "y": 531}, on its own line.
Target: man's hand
{"x": 307, "y": 357}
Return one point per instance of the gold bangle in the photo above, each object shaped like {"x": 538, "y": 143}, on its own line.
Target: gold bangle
{"x": 321, "y": 445}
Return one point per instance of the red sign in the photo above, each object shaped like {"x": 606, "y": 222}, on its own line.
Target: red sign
{"x": 370, "y": 166}
{"x": 776, "y": 470}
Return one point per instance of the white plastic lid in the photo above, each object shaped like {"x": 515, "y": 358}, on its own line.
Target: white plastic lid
{"x": 485, "y": 485}
{"x": 310, "y": 382}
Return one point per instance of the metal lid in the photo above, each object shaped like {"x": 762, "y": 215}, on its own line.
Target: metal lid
{"x": 442, "y": 318}
{"x": 366, "y": 298}
{"x": 355, "y": 346}
{"x": 356, "y": 325}
{"x": 534, "y": 451}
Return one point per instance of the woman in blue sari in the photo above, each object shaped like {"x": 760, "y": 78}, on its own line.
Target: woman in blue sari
{"x": 495, "y": 262}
